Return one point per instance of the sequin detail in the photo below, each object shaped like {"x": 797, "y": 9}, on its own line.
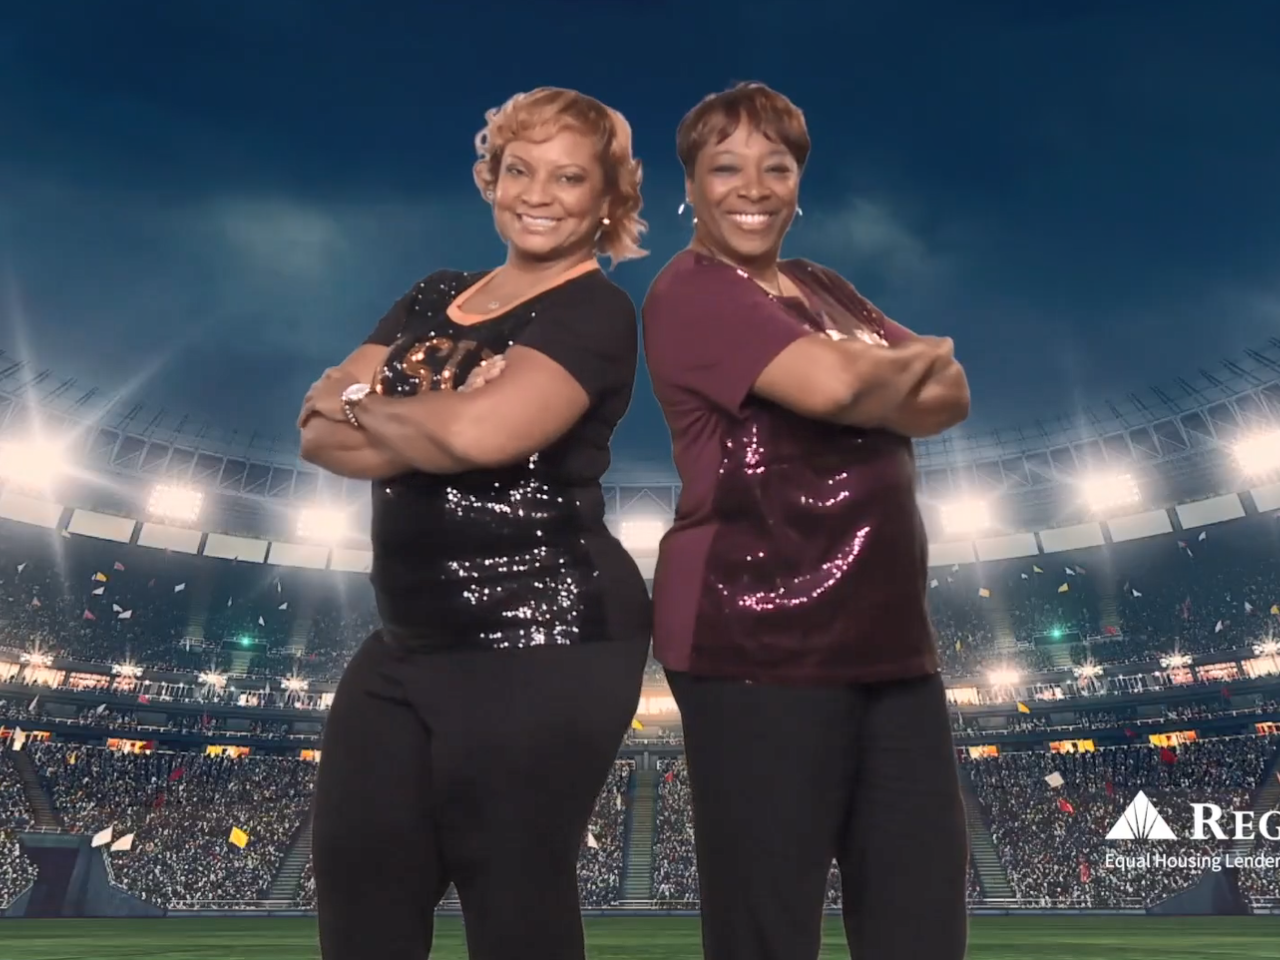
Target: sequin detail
{"x": 492, "y": 559}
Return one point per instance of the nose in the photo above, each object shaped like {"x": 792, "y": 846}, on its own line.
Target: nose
{"x": 753, "y": 188}
{"x": 536, "y": 192}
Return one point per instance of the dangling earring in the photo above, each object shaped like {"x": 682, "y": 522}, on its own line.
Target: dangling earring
{"x": 799, "y": 212}
{"x": 604, "y": 222}
{"x": 488, "y": 195}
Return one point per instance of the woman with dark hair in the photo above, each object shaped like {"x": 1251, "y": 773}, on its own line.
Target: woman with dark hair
{"x": 470, "y": 736}
{"x": 789, "y": 595}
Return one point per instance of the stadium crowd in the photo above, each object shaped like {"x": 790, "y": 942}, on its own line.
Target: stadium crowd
{"x": 1052, "y": 839}
{"x": 181, "y": 810}
{"x": 16, "y": 871}
{"x": 108, "y": 603}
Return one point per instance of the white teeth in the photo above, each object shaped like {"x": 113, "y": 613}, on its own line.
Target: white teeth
{"x": 751, "y": 219}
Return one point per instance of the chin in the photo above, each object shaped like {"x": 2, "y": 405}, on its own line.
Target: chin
{"x": 538, "y": 250}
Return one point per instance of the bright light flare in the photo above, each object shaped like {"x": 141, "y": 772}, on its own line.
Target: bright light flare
{"x": 1004, "y": 677}
{"x": 179, "y": 504}
{"x": 33, "y": 464}
{"x": 326, "y": 524}
{"x": 965, "y": 516}
{"x": 1259, "y": 454}
{"x": 642, "y": 536}
{"x": 1109, "y": 492}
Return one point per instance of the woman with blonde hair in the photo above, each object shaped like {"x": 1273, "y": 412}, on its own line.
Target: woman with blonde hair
{"x": 789, "y": 595}
{"x": 470, "y": 736}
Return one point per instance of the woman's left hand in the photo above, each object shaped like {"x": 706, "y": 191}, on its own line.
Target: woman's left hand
{"x": 324, "y": 399}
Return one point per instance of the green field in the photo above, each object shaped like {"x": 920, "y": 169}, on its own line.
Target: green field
{"x": 993, "y": 938}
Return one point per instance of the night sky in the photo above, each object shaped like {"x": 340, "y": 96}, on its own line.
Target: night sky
{"x": 204, "y": 203}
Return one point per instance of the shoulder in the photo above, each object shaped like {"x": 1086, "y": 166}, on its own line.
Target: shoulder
{"x": 596, "y": 293}
{"x": 693, "y": 282}
{"x": 817, "y": 273}
{"x": 591, "y": 306}
{"x": 588, "y": 314}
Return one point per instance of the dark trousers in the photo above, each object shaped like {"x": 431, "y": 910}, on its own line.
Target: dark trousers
{"x": 477, "y": 768}
{"x": 787, "y": 779}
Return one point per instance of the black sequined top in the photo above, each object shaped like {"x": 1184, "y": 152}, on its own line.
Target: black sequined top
{"x": 517, "y": 556}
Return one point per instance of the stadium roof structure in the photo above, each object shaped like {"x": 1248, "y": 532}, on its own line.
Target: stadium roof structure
{"x": 1172, "y": 430}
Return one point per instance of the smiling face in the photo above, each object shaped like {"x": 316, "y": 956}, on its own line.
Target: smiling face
{"x": 744, "y": 192}
{"x": 550, "y": 196}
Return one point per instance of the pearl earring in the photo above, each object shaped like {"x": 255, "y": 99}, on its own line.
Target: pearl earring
{"x": 680, "y": 209}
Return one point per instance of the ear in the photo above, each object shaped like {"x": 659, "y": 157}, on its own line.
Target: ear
{"x": 478, "y": 174}
{"x": 688, "y": 190}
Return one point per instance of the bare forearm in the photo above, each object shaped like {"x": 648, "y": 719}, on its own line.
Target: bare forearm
{"x": 941, "y": 402}
{"x": 416, "y": 429}
{"x": 882, "y": 383}
{"x": 347, "y": 452}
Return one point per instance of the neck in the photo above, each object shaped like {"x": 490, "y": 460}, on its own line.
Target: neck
{"x": 764, "y": 267}
{"x": 517, "y": 264}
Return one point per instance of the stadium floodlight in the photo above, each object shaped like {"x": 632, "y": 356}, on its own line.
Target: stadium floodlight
{"x": 1175, "y": 660}
{"x": 1268, "y": 648}
{"x": 325, "y": 524}
{"x": 35, "y": 658}
{"x": 32, "y": 464}
{"x": 965, "y": 516}
{"x": 1087, "y": 671}
{"x": 642, "y": 536}
{"x": 126, "y": 670}
{"x": 1106, "y": 492}
{"x": 171, "y": 502}
{"x": 1259, "y": 453}
{"x": 294, "y": 684}
{"x": 211, "y": 679}
{"x": 1004, "y": 677}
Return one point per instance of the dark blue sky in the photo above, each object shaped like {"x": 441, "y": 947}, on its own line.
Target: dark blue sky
{"x": 207, "y": 202}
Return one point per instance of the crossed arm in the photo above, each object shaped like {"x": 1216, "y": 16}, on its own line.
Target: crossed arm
{"x": 916, "y": 388}
{"x": 531, "y": 405}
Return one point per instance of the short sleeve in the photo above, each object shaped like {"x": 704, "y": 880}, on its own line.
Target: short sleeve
{"x": 592, "y": 335}
{"x": 392, "y": 324}
{"x": 712, "y": 332}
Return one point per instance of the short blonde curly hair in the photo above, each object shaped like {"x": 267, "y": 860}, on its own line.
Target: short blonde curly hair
{"x": 545, "y": 112}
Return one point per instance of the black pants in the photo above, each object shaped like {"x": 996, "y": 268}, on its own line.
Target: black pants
{"x": 476, "y": 768}
{"x": 786, "y": 779}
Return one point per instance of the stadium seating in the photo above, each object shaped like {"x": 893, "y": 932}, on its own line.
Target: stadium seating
{"x": 110, "y": 606}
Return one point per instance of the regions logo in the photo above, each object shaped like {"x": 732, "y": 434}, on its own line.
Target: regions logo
{"x": 1141, "y": 821}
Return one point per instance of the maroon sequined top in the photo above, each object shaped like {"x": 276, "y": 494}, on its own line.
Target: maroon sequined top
{"x": 798, "y": 554}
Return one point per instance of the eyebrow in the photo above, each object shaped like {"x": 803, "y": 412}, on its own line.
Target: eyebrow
{"x": 560, "y": 166}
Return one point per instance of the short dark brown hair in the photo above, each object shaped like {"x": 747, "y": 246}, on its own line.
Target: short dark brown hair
{"x": 718, "y": 116}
